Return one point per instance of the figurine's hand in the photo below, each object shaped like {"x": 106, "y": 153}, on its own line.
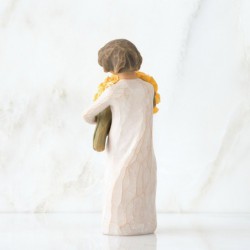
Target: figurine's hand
{"x": 91, "y": 120}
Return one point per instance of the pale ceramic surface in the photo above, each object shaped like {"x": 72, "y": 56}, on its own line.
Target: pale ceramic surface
{"x": 198, "y": 52}
{"x": 80, "y": 231}
{"x": 130, "y": 178}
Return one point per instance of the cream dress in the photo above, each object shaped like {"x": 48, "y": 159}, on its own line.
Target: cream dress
{"x": 130, "y": 179}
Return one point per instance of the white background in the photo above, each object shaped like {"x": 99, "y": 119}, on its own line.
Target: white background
{"x": 198, "y": 52}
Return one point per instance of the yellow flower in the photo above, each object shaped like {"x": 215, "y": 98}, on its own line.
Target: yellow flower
{"x": 113, "y": 79}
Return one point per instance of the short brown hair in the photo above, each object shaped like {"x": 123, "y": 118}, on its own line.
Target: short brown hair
{"x": 119, "y": 55}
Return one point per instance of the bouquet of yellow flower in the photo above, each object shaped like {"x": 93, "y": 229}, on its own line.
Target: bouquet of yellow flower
{"x": 110, "y": 80}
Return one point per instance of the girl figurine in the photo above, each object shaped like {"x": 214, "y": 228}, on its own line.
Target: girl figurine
{"x": 129, "y": 98}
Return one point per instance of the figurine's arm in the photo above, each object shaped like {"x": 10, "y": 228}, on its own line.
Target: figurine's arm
{"x": 103, "y": 101}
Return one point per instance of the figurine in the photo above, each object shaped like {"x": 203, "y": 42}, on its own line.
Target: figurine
{"x": 123, "y": 111}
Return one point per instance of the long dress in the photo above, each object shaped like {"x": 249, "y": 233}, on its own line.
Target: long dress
{"x": 129, "y": 206}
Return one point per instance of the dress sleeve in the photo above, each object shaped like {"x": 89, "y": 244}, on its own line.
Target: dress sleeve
{"x": 103, "y": 101}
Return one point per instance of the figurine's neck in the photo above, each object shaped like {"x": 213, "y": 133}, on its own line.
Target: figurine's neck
{"x": 127, "y": 75}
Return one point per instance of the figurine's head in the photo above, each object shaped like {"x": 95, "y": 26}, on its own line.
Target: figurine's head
{"x": 119, "y": 55}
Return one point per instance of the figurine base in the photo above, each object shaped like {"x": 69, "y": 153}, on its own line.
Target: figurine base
{"x": 129, "y": 230}
{"x": 134, "y": 234}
